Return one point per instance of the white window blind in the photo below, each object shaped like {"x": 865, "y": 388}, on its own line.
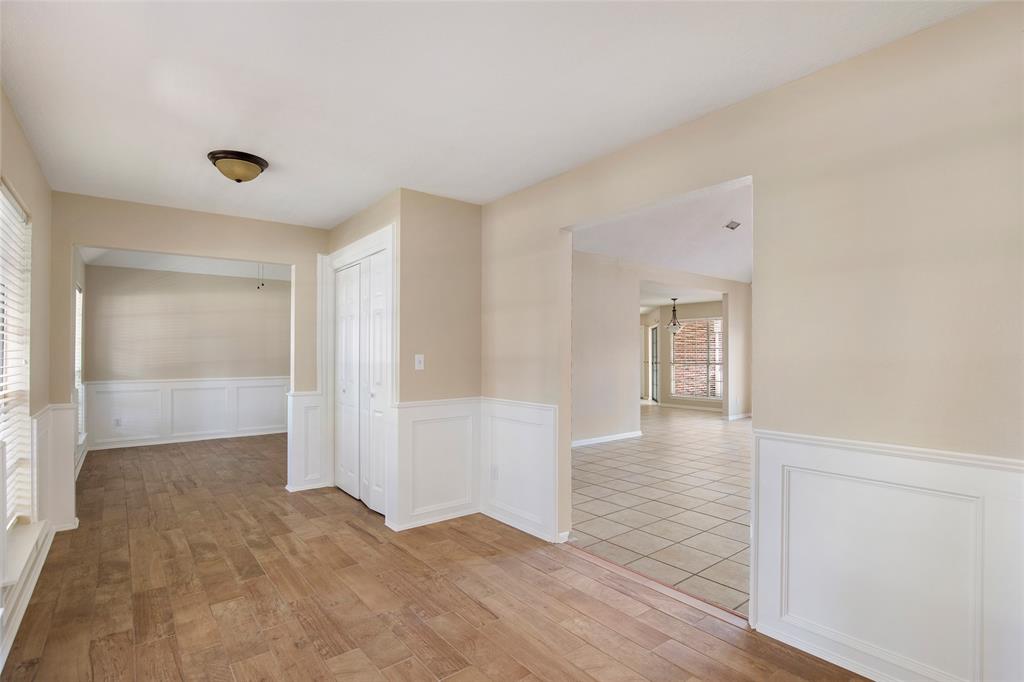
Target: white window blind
{"x": 15, "y": 427}
{"x": 79, "y": 386}
{"x": 697, "y": 350}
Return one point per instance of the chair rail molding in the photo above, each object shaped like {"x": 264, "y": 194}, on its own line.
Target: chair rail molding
{"x": 855, "y": 541}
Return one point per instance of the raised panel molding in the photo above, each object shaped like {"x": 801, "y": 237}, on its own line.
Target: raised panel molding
{"x": 895, "y": 562}
{"x": 128, "y": 413}
{"x": 199, "y": 410}
{"x": 439, "y": 484}
{"x": 436, "y": 473}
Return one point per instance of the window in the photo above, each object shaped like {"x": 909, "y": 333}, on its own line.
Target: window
{"x": 15, "y": 427}
{"x": 79, "y": 386}
{"x": 697, "y": 359}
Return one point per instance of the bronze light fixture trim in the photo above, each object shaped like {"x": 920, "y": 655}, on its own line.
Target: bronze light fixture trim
{"x": 237, "y": 166}
{"x": 675, "y": 325}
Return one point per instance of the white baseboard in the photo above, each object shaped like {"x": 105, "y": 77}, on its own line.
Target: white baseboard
{"x": 892, "y": 561}
{"x": 606, "y": 439}
{"x": 426, "y": 520}
{"x": 563, "y": 536}
{"x": 180, "y": 439}
{"x": 311, "y": 486}
{"x": 737, "y": 417}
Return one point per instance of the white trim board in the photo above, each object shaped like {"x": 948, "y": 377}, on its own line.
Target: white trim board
{"x": 178, "y": 439}
{"x": 606, "y": 439}
{"x": 895, "y": 562}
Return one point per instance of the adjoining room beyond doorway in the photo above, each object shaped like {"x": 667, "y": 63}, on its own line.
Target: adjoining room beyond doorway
{"x": 661, "y": 485}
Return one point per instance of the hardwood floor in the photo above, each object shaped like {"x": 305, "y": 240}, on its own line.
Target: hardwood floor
{"x": 193, "y": 563}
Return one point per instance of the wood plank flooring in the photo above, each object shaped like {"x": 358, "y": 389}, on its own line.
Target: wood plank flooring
{"x": 193, "y": 563}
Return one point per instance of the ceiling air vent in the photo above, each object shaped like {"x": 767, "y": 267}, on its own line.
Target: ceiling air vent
{"x": 732, "y": 225}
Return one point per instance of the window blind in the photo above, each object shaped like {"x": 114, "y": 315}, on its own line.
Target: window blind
{"x": 15, "y": 427}
{"x": 697, "y": 356}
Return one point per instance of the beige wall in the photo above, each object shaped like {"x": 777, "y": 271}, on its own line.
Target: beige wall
{"x": 22, "y": 174}
{"x": 439, "y": 289}
{"x": 439, "y": 297}
{"x": 605, "y": 299}
{"x": 92, "y": 221}
{"x": 892, "y": 177}
{"x": 147, "y": 324}
{"x": 386, "y": 211}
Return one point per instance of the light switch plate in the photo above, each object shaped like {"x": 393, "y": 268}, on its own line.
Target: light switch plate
{"x": 419, "y": 361}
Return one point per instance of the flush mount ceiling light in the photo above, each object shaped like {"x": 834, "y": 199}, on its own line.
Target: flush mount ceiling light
{"x": 237, "y": 166}
{"x": 731, "y": 225}
{"x": 674, "y": 325}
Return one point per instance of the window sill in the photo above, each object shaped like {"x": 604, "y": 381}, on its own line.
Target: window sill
{"x": 22, "y": 540}
{"x": 695, "y": 399}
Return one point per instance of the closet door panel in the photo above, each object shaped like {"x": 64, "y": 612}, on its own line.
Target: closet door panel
{"x": 379, "y": 374}
{"x": 365, "y": 405}
{"x": 347, "y": 379}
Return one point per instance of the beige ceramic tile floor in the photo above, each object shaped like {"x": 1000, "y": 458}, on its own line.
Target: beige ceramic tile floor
{"x": 672, "y": 504}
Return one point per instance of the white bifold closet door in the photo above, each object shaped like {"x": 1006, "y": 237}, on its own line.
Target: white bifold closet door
{"x": 346, "y": 371}
{"x": 363, "y": 377}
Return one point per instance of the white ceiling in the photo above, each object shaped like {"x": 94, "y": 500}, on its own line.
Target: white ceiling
{"x": 685, "y": 234}
{"x": 348, "y": 101}
{"x": 146, "y": 260}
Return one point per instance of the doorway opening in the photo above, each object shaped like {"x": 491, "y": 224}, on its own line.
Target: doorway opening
{"x": 661, "y": 486}
{"x": 651, "y": 367}
{"x": 172, "y": 348}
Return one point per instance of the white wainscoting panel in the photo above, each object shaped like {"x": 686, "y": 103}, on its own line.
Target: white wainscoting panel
{"x": 54, "y": 430}
{"x": 519, "y": 465}
{"x": 437, "y": 473}
{"x": 310, "y": 457}
{"x": 895, "y": 562}
{"x": 126, "y": 413}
